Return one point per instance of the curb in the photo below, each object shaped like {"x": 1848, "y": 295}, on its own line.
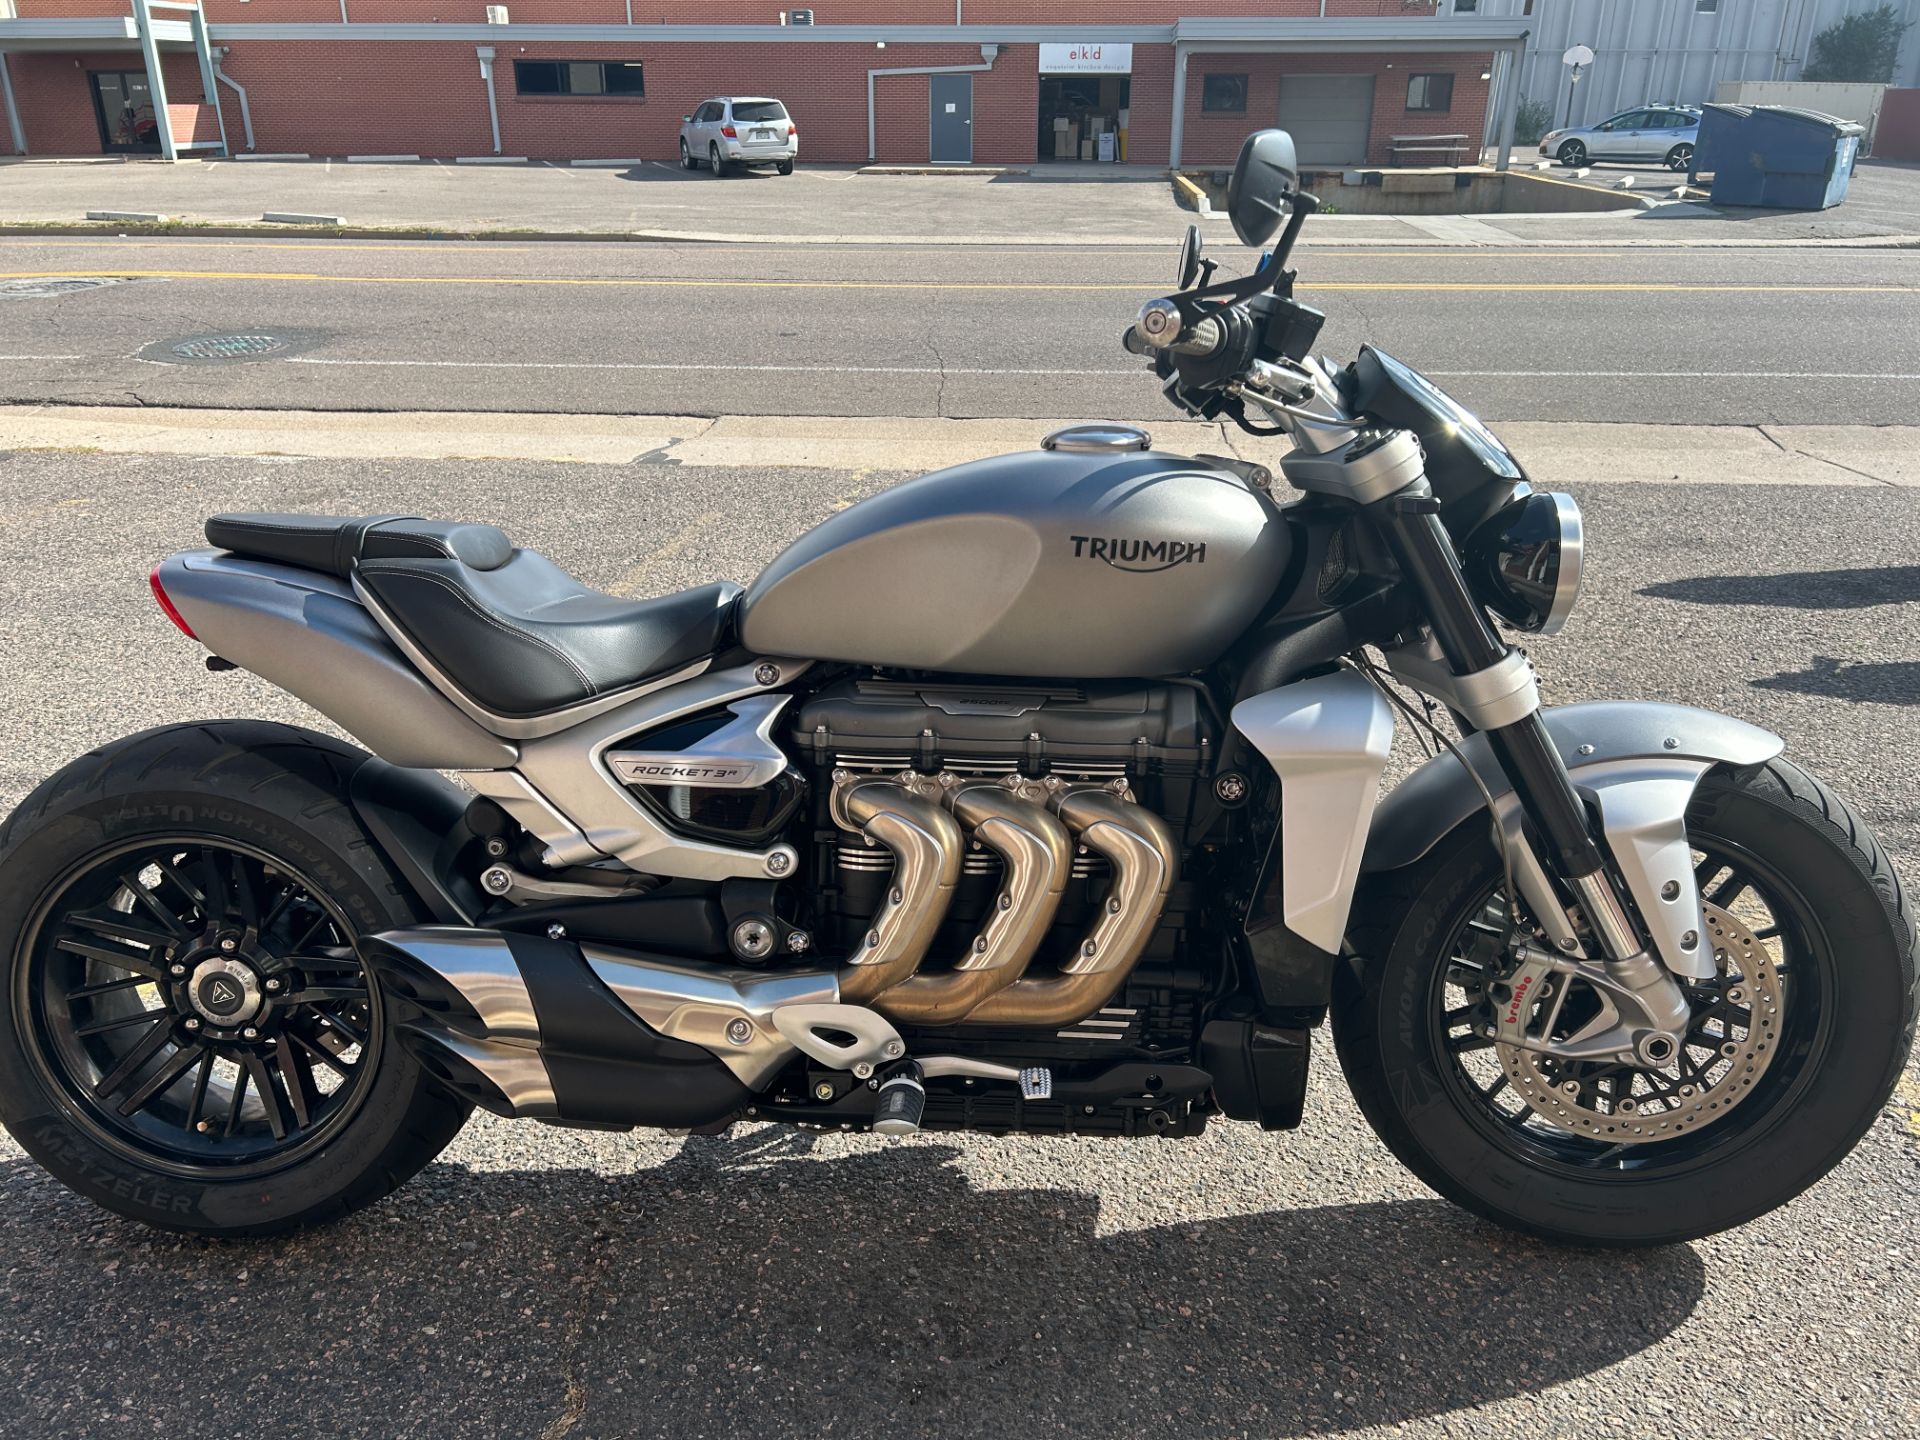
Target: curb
{"x": 327, "y": 228}
{"x": 1196, "y": 198}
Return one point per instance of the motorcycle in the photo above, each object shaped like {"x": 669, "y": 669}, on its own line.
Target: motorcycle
{"x": 1039, "y": 795}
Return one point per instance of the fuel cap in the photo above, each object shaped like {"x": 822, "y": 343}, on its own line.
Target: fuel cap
{"x": 1097, "y": 439}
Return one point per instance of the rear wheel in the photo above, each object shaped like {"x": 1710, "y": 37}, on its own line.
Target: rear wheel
{"x": 1573, "y": 153}
{"x": 786, "y": 167}
{"x": 1680, "y": 157}
{"x": 1792, "y": 1049}
{"x": 714, "y": 161}
{"x": 187, "y": 1036}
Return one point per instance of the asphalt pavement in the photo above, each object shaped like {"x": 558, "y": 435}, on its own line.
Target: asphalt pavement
{"x": 536, "y": 1282}
{"x": 1691, "y": 336}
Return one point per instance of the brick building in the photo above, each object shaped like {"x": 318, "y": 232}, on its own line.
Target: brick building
{"x": 1139, "y": 80}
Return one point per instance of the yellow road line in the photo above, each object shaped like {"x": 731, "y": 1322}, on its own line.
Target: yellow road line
{"x": 418, "y": 248}
{"x": 1622, "y": 287}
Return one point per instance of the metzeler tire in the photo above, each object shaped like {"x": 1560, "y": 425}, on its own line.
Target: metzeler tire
{"x": 1833, "y": 1069}
{"x": 275, "y": 797}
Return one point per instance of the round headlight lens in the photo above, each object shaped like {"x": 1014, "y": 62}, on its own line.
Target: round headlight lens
{"x": 1523, "y": 561}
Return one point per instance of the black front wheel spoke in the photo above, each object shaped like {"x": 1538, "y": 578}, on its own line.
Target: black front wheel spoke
{"x": 142, "y": 965}
{"x": 270, "y": 1098}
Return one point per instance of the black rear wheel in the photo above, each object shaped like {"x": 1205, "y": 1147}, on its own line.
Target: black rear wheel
{"x": 189, "y": 1037}
{"x": 1792, "y": 1048}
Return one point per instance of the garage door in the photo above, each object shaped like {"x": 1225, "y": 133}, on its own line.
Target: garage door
{"x": 1328, "y": 116}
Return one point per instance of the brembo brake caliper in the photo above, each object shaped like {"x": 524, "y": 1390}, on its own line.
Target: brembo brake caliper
{"x": 871, "y": 1043}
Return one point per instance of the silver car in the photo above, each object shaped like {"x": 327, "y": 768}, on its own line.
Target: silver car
{"x": 1647, "y": 135}
{"x": 739, "y": 130}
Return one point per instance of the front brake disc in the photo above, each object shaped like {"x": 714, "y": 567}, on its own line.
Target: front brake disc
{"x": 1730, "y": 1042}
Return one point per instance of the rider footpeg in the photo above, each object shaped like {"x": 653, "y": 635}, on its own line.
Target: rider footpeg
{"x": 901, "y": 1102}
{"x": 1036, "y": 1083}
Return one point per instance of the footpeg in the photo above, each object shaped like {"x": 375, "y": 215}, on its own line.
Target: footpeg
{"x": 900, "y": 1103}
{"x": 1036, "y": 1083}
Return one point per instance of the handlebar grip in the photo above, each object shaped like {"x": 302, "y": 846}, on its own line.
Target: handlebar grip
{"x": 1161, "y": 328}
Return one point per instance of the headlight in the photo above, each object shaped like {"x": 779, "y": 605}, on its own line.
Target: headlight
{"x": 1523, "y": 561}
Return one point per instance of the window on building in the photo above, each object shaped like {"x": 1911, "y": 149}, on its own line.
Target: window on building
{"x": 1465, "y": 7}
{"x": 1706, "y": 7}
{"x": 579, "y": 77}
{"x": 1430, "y": 92}
{"x": 1224, "y": 94}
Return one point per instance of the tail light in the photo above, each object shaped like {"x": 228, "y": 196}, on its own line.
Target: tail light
{"x": 729, "y": 132}
{"x": 160, "y": 594}
{"x": 792, "y": 130}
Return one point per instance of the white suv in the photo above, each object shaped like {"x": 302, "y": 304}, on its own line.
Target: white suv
{"x": 739, "y": 130}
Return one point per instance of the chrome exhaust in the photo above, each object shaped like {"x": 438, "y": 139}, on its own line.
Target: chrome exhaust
{"x": 527, "y": 1026}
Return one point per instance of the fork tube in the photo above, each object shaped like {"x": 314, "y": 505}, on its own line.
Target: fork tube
{"x": 1420, "y": 543}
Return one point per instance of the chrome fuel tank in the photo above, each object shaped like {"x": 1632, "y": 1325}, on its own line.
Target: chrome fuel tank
{"x": 1089, "y": 566}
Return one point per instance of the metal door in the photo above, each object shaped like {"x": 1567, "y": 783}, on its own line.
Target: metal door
{"x": 950, "y": 128}
{"x": 1329, "y": 117}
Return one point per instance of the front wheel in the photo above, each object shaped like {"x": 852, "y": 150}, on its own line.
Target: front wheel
{"x": 1793, "y": 1046}
{"x": 687, "y": 161}
{"x": 1573, "y": 154}
{"x": 187, "y": 1036}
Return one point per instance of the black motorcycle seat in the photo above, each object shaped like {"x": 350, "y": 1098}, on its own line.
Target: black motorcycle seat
{"x": 507, "y": 626}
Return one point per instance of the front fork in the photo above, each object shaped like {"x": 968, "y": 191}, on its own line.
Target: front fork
{"x": 1478, "y": 662}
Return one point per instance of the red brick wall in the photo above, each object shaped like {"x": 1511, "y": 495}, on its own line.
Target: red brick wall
{"x": 764, "y": 12}
{"x": 56, "y": 102}
{"x": 1215, "y": 139}
{"x": 1150, "y": 105}
{"x": 373, "y": 97}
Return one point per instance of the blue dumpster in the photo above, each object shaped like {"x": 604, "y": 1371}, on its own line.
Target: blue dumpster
{"x": 1776, "y": 155}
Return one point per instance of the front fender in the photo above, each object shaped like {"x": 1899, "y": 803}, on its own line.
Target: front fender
{"x": 1638, "y": 762}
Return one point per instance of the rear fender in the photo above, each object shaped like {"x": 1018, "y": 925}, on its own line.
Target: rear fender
{"x": 306, "y": 633}
{"x": 1638, "y": 765}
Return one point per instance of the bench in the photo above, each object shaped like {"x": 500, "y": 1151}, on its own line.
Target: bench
{"x": 1451, "y": 146}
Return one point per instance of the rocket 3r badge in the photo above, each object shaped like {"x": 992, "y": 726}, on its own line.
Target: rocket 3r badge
{"x": 1141, "y": 557}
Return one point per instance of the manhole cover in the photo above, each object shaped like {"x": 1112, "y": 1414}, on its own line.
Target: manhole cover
{"x": 228, "y": 347}
{"x": 45, "y": 287}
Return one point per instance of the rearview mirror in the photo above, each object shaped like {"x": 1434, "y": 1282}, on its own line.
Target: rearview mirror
{"x": 1265, "y": 178}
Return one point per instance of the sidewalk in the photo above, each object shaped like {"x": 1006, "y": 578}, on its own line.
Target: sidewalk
{"x": 1555, "y": 452}
{"x": 823, "y": 205}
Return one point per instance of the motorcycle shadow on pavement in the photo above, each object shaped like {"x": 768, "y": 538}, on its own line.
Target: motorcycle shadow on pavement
{"x": 751, "y": 1286}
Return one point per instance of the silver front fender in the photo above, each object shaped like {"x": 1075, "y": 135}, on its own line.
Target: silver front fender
{"x": 1638, "y": 763}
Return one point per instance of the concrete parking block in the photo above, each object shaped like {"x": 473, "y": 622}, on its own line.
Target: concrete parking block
{"x": 136, "y": 216}
{"x": 294, "y": 217}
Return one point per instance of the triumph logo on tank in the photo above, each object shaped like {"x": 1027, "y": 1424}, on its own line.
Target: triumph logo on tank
{"x": 1141, "y": 557}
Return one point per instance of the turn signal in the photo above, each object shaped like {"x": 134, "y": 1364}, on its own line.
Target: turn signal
{"x": 160, "y": 594}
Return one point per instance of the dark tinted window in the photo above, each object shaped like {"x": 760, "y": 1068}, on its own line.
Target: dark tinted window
{"x": 579, "y": 77}
{"x": 1224, "y": 93}
{"x": 1430, "y": 92}
{"x": 753, "y": 110}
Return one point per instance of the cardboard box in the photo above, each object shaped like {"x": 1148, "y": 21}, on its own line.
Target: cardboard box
{"x": 1061, "y": 122}
{"x": 1086, "y": 149}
